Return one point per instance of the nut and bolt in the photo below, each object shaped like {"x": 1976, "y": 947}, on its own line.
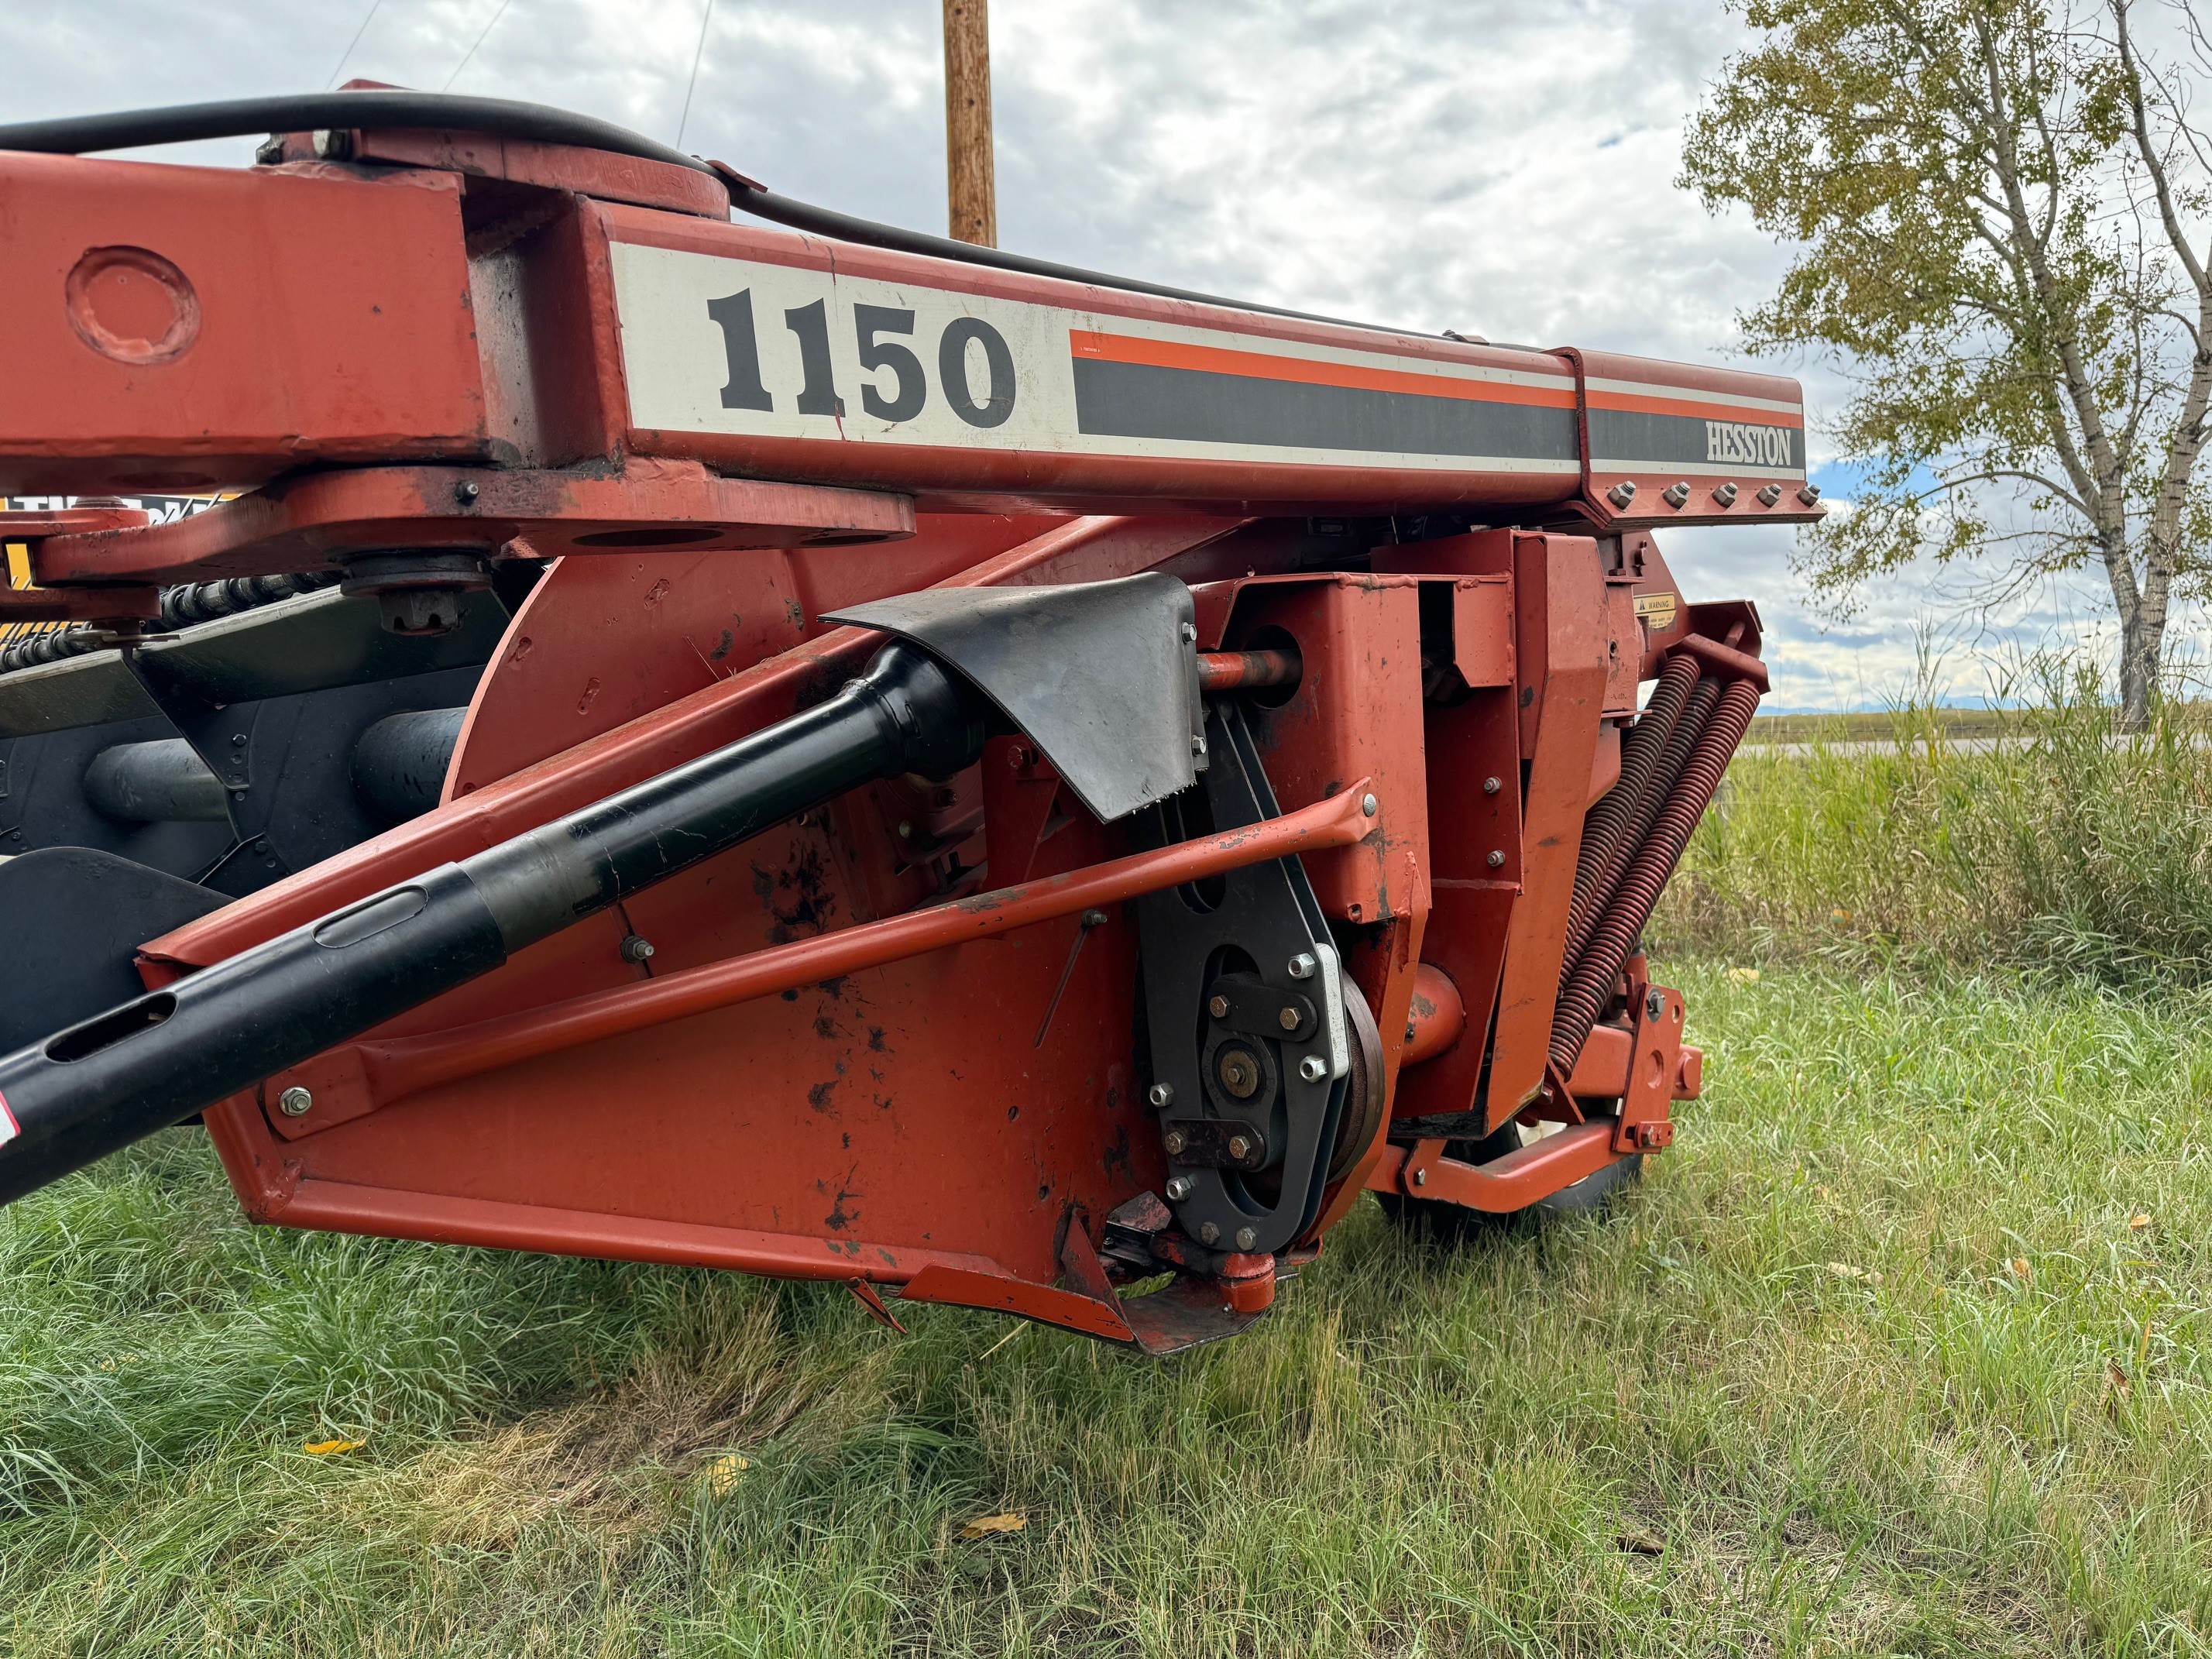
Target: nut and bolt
{"x": 1246, "y": 1239}
{"x": 635, "y": 948}
{"x": 1675, "y": 495}
{"x": 1725, "y": 494}
{"x": 1175, "y": 1141}
{"x": 295, "y": 1101}
{"x": 1313, "y": 1069}
{"x": 1302, "y": 965}
{"x": 1654, "y": 1006}
{"x": 1771, "y": 494}
{"x": 1179, "y": 1187}
{"x": 1162, "y": 1094}
{"x": 467, "y": 492}
{"x": 1190, "y": 633}
{"x": 1490, "y": 786}
{"x": 1288, "y": 1019}
{"x": 1218, "y": 1007}
{"x": 1238, "y": 1071}
{"x": 1496, "y": 860}
{"x": 1197, "y": 745}
{"x": 1240, "y": 1147}
{"x": 1367, "y": 805}
{"x": 1809, "y": 494}
{"x": 1421, "y": 1177}
{"x": 1094, "y": 918}
{"x": 1622, "y": 493}
{"x": 1208, "y": 1233}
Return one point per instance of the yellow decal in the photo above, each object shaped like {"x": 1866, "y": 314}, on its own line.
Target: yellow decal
{"x": 1657, "y": 609}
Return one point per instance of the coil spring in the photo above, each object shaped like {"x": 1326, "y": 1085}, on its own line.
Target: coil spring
{"x": 1624, "y": 920}
{"x": 181, "y": 606}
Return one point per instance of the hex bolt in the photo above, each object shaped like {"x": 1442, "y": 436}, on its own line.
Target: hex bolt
{"x": 1654, "y": 1006}
{"x": 1367, "y": 805}
{"x": 1162, "y": 1094}
{"x": 1809, "y": 494}
{"x": 1302, "y": 965}
{"x": 1313, "y": 1069}
{"x": 1246, "y": 1239}
{"x": 1240, "y": 1147}
{"x": 1675, "y": 495}
{"x": 1179, "y": 1187}
{"x": 1490, "y": 786}
{"x": 1288, "y": 1019}
{"x": 636, "y": 949}
{"x": 1218, "y": 1007}
{"x": 1771, "y": 494}
{"x": 1094, "y": 918}
{"x": 467, "y": 492}
{"x": 1208, "y": 1233}
{"x": 295, "y": 1101}
{"x": 1496, "y": 860}
{"x": 1197, "y": 745}
{"x": 1725, "y": 494}
{"x": 1421, "y": 1177}
{"x": 1174, "y": 1141}
{"x": 1190, "y": 633}
{"x": 1622, "y": 493}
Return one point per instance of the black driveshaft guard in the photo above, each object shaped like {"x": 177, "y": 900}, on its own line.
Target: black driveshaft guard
{"x": 1102, "y": 676}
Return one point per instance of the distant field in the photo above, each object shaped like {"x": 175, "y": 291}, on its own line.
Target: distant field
{"x": 1879, "y": 726}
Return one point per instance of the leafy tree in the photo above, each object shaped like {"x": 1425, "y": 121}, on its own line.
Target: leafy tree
{"x": 1999, "y": 211}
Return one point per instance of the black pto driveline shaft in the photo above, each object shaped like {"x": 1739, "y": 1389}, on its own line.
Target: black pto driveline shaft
{"x": 157, "y": 1060}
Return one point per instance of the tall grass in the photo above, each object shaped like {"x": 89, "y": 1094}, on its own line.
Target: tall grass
{"x": 2050, "y": 839}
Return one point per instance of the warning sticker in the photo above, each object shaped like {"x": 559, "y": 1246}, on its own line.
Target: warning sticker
{"x": 1657, "y": 609}
{"x": 8, "y": 1129}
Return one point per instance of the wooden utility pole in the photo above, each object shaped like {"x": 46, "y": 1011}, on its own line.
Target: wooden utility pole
{"x": 970, "y": 189}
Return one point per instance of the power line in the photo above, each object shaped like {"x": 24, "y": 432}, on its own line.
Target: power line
{"x": 374, "y": 6}
{"x": 479, "y": 40}
{"x": 698, "y": 53}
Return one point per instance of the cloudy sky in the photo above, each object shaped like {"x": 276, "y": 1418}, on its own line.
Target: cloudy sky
{"x": 1497, "y": 168}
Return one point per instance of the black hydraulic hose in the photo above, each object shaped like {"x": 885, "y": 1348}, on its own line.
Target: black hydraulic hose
{"x": 153, "y": 1061}
{"x": 240, "y": 118}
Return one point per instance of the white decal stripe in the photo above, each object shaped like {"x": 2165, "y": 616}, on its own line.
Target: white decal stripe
{"x": 1695, "y": 470}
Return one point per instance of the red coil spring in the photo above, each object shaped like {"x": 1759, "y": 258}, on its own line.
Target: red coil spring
{"x": 1640, "y": 751}
{"x": 1591, "y": 983}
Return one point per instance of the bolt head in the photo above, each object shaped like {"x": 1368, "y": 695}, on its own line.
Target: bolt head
{"x": 1174, "y": 1141}
{"x": 295, "y": 1101}
{"x": 1771, "y": 494}
{"x": 1161, "y": 1094}
{"x": 1421, "y": 1177}
{"x": 1490, "y": 786}
{"x": 1809, "y": 494}
{"x": 1246, "y": 1239}
{"x": 1094, "y": 918}
{"x": 1218, "y": 1007}
{"x": 1621, "y": 494}
{"x": 1302, "y": 965}
{"x": 1198, "y": 745}
{"x": 635, "y": 949}
{"x": 1367, "y": 805}
{"x": 1179, "y": 1187}
{"x": 1190, "y": 633}
{"x": 1288, "y": 1019}
{"x": 1208, "y": 1233}
{"x": 1496, "y": 860}
{"x": 468, "y": 492}
{"x": 1654, "y": 1006}
{"x": 1313, "y": 1069}
{"x": 1240, "y": 1147}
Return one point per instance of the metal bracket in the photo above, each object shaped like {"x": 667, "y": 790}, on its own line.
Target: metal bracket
{"x": 1261, "y": 931}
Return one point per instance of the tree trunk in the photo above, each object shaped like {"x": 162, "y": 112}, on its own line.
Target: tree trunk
{"x": 2142, "y": 633}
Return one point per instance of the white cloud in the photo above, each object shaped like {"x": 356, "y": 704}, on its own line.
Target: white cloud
{"x": 1484, "y": 165}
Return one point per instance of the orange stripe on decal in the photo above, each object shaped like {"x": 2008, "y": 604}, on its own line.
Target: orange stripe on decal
{"x": 1264, "y": 365}
{"x": 1663, "y": 404}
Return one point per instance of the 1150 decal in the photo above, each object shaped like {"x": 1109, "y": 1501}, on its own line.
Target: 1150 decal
{"x": 879, "y": 337}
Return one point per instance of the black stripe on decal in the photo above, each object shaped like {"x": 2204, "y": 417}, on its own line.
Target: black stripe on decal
{"x": 1140, "y": 400}
{"x": 1657, "y": 441}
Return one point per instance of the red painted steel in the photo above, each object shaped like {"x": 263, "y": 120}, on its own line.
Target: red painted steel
{"x": 894, "y": 1040}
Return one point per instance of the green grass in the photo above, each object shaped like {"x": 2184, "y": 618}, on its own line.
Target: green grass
{"x": 1875, "y": 1355}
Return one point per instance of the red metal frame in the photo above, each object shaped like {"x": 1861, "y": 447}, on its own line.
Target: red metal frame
{"x": 892, "y": 1042}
